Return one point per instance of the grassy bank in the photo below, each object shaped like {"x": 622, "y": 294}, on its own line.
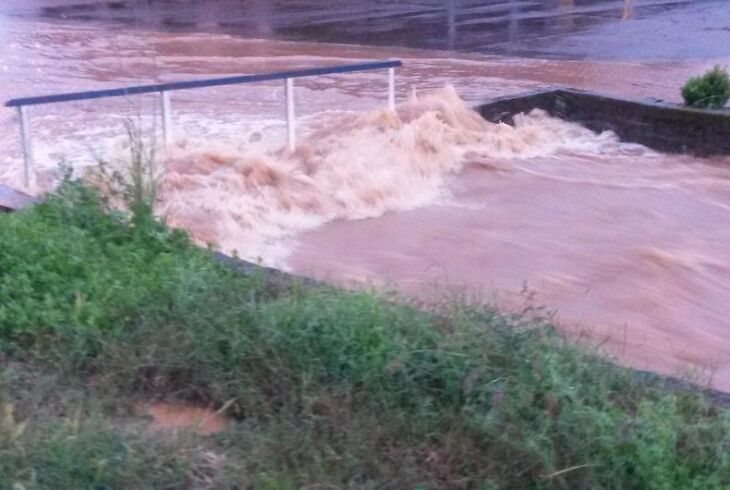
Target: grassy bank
{"x": 327, "y": 389}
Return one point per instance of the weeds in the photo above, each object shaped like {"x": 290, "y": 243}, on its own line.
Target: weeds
{"x": 331, "y": 389}
{"x": 135, "y": 185}
{"x": 73, "y": 453}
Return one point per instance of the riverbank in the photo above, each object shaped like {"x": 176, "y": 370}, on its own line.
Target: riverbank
{"x": 100, "y": 313}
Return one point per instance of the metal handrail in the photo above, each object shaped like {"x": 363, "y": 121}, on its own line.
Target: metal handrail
{"x": 165, "y": 88}
{"x": 209, "y": 82}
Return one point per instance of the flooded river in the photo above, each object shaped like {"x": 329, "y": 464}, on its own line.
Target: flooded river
{"x": 629, "y": 247}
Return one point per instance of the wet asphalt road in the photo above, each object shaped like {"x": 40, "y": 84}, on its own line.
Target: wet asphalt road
{"x": 566, "y": 29}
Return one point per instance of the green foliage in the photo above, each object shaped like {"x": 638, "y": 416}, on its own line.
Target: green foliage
{"x": 710, "y": 91}
{"x": 69, "y": 267}
{"x": 341, "y": 390}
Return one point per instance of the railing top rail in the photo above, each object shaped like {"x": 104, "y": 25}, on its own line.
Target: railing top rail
{"x": 210, "y": 82}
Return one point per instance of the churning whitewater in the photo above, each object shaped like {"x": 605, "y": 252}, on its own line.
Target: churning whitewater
{"x": 348, "y": 166}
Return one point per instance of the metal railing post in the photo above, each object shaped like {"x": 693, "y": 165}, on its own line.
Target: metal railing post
{"x": 166, "y": 118}
{"x": 391, "y": 89}
{"x": 290, "y": 114}
{"x": 25, "y": 135}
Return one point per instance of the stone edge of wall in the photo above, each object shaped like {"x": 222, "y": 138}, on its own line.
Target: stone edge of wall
{"x": 13, "y": 200}
{"x": 658, "y": 125}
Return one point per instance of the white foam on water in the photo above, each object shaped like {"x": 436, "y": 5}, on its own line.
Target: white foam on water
{"x": 249, "y": 196}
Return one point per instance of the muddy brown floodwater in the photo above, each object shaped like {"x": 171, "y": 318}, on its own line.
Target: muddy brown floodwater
{"x": 629, "y": 247}
{"x": 632, "y": 251}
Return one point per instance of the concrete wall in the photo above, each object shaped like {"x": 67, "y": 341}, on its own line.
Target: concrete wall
{"x": 661, "y": 126}
{"x": 12, "y": 200}
{"x": 503, "y": 109}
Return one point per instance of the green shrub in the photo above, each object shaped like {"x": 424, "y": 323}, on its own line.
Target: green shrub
{"x": 710, "y": 91}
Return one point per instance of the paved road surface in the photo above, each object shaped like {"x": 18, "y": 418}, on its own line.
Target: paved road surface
{"x": 567, "y": 29}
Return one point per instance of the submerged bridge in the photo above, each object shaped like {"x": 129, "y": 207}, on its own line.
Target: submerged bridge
{"x": 164, "y": 89}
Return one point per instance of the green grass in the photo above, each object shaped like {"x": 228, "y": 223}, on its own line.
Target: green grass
{"x": 327, "y": 389}
{"x": 87, "y": 455}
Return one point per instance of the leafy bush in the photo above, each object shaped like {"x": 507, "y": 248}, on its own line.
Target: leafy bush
{"x": 329, "y": 389}
{"x": 710, "y": 91}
